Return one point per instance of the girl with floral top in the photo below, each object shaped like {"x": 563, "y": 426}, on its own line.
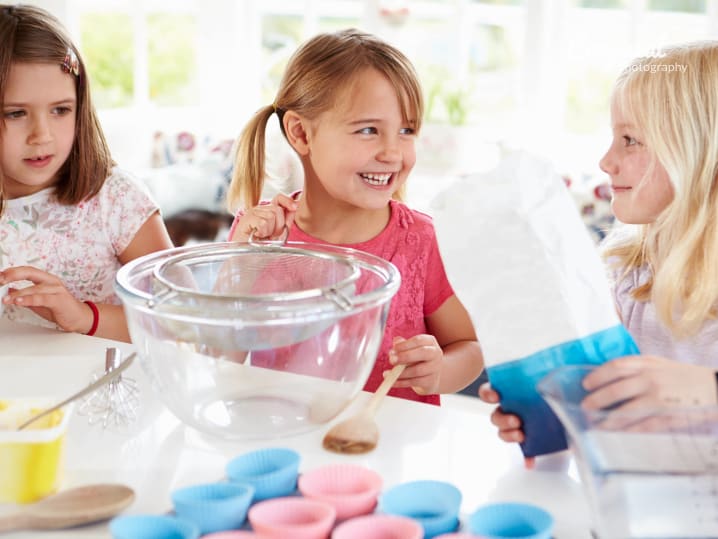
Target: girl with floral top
{"x": 68, "y": 217}
{"x": 350, "y": 106}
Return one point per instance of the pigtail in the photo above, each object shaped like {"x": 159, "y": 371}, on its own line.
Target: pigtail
{"x": 247, "y": 183}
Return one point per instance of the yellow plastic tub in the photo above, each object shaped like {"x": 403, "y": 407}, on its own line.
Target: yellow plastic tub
{"x": 31, "y": 459}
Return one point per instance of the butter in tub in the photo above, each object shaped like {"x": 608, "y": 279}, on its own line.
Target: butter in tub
{"x": 30, "y": 459}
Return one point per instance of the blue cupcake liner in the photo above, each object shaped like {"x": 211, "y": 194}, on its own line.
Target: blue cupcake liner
{"x": 271, "y": 471}
{"x": 434, "y": 504}
{"x": 511, "y": 521}
{"x": 152, "y": 527}
{"x": 214, "y": 506}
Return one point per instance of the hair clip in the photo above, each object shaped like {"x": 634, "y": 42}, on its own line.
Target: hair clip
{"x": 71, "y": 64}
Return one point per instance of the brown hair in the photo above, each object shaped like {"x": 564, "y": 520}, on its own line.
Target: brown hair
{"x": 32, "y": 35}
{"x": 315, "y": 78}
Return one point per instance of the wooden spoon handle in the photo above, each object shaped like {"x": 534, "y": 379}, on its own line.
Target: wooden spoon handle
{"x": 383, "y": 389}
{"x": 15, "y": 521}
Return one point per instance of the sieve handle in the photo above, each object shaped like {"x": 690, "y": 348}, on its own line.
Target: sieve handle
{"x": 343, "y": 301}
{"x": 279, "y": 241}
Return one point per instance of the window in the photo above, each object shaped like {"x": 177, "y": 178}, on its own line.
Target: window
{"x": 281, "y": 34}
{"x": 105, "y": 38}
{"x": 535, "y": 73}
{"x": 172, "y": 59}
{"x": 109, "y": 41}
{"x": 691, "y": 6}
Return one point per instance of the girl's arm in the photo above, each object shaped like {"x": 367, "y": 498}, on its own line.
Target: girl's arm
{"x": 645, "y": 382}
{"x": 150, "y": 238}
{"x": 50, "y": 299}
{"x": 454, "y": 331}
{"x": 446, "y": 360}
{"x": 509, "y": 425}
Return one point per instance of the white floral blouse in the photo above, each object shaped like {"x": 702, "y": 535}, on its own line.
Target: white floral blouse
{"x": 79, "y": 244}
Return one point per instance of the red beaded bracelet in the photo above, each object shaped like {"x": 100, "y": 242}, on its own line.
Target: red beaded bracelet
{"x": 95, "y": 318}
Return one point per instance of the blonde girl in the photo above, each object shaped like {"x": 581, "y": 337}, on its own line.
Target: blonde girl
{"x": 663, "y": 169}
{"x": 350, "y": 105}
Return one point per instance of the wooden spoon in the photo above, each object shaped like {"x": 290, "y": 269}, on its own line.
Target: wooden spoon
{"x": 81, "y": 505}
{"x": 359, "y": 433}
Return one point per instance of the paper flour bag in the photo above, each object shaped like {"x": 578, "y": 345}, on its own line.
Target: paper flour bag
{"x": 520, "y": 258}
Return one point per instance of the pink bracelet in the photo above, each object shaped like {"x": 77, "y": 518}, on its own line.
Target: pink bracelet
{"x": 95, "y": 318}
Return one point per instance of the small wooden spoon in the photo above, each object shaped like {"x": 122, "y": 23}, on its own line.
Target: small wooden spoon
{"x": 359, "y": 433}
{"x": 81, "y": 505}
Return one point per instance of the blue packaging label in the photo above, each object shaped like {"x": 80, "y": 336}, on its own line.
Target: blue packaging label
{"x": 516, "y": 382}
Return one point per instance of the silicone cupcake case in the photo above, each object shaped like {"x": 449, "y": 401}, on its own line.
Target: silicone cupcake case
{"x": 265, "y": 496}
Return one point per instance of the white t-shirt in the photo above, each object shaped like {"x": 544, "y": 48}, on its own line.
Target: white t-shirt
{"x": 651, "y": 335}
{"x": 78, "y": 243}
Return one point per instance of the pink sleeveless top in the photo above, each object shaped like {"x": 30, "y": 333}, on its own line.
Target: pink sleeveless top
{"x": 409, "y": 242}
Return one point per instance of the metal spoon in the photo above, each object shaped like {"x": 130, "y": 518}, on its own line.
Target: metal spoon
{"x": 101, "y": 381}
{"x": 359, "y": 433}
{"x": 81, "y": 505}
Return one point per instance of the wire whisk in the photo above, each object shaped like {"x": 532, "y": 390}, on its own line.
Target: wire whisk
{"x": 115, "y": 404}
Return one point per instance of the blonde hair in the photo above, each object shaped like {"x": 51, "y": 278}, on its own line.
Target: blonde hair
{"x": 32, "y": 35}
{"x": 672, "y": 98}
{"x": 316, "y": 76}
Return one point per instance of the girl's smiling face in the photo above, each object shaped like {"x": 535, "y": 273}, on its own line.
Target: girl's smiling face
{"x": 39, "y": 108}
{"x": 640, "y": 184}
{"x": 362, "y": 150}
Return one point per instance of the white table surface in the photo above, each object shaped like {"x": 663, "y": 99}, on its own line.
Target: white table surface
{"x": 454, "y": 442}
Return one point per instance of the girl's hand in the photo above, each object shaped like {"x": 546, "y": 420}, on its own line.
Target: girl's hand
{"x": 266, "y": 221}
{"x": 643, "y": 382}
{"x": 48, "y": 298}
{"x": 509, "y": 425}
{"x": 423, "y": 358}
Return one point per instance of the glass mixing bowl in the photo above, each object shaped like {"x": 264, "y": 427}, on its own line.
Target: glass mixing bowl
{"x": 249, "y": 341}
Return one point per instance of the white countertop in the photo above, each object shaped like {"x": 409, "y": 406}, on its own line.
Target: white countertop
{"x": 454, "y": 443}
